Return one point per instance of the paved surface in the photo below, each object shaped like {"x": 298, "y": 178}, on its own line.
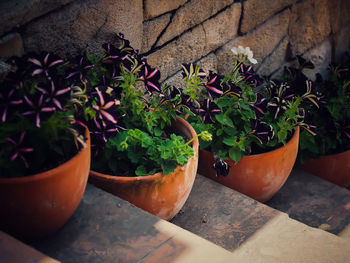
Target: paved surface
{"x": 314, "y": 201}
{"x": 222, "y": 215}
{"x": 107, "y": 229}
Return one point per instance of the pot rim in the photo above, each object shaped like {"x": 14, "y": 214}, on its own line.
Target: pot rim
{"x": 328, "y": 155}
{"x": 48, "y": 173}
{"x": 152, "y": 177}
{"x": 291, "y": 141}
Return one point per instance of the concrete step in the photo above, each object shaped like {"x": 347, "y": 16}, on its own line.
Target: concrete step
{"x": 314, "y": 202}
{"x": 253, "y": 231}
{"x": 106, "y": 228}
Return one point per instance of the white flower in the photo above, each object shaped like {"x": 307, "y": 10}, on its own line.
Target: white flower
{"x": 246, "y": 53}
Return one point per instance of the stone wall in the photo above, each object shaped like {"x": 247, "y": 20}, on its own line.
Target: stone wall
{"x": 173, "y": 32}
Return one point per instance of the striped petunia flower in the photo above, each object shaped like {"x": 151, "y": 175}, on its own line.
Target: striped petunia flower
{"x": 8, "y": 100}
{"x": 262, "y": 131}
{"x": 19, "y": 148}
{"x": 208, "y": 109}
{"x": 106, "y": 104}
{"x": 45, "y": 63}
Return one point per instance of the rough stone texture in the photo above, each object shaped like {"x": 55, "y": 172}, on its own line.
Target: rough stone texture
{"x": 11, "y": 45}
{"x": 207, "y": 63}
{"x": 275, "y": 60}
{"x": 4, "y": 69}
{"x": 339, "y": 13}
{"x": 262, "y": 41}
{"x": 105, "y": 228}
{"x": 15, "y": 13}
{"x": 285, "y": 240}
{"x": 153, "y": 8}
{"x": 309, "y": 25}
{"x": 152, "y": 30}
{"x": 320, "y": 56}
{"x": 222, "y": 215}
{"x": 256, "y": 12}
{"x": 87, "y": 24}
{"x": 341, "y": 43}
{"x": 188, "y": 16}
{"x": 196, "y": 43}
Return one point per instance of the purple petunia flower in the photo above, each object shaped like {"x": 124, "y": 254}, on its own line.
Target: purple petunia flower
{"x": 259, "y": 106}
{"x": 213, "y": 85}
{"x": 8, "y": 98}
{"x": 19, "y": 149}
{"x": 208, "y": 109}
{"x": 37, "y": 108}
{"x": 221, "y": 167}
{"x": 80, "y": 67}
{"x": 343, "y": 127}
{"x": 54, "y": 94}
{"x": 107, "y": 104}
{"x": 262, "y": 131}
{"x": 44, "y": 63}
{"x": 150, "y": 77}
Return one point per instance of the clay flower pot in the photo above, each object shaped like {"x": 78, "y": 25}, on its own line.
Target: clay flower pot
{"x": 258, "y": 176}
{"x": 160, "y": 195}
{"x": 35, "y": 206}
{"x": 333, "y": 168}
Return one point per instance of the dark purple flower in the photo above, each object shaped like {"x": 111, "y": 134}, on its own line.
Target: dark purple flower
{"x": 213, "y": 85}
{"x": 249, "y": 75}
{"x": 150, "y": 76}
{"x": 44, "y": 63}
{"x": 310, "y": 94}
{"x": 79, "y": 68}
{"x": 221, "y": 167}
{"x": 19, "y": 148}
{"x": 107, "y": 105}
{"x": 37, "y": 108}
{"x": 8, "y": 99}
{"x": 208, "y": 109}
{"x": 259, "y": 106}
{"x": 304, "y": 120}
{"x": 262, "y": 131}
{"x": 55, "y": 95}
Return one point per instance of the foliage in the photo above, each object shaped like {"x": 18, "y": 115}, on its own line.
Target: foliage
{"x": 332, "y": 118}
{"x": 242, "y": 121}
{"x": 38, "y": 130}
{"x": 128, "y": 113}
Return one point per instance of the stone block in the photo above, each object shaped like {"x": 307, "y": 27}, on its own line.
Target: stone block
{"x": 188, "y": 16}
{"x": 309, "y": 25}
{"x": 11, "y": 45}
{"x": 341, "y": 44}
{"x": 188, "y": 48}
{"x": 256, "y": 12}
{"x": 86, "y": 25}
{"x": 222, "y": 28}
{"x": 339, "y": 13}
{"x": 15, "y": 13}
{"x": 262, "y": 41}
{"x": 152, "y": 30}
{"x": 153, "y": 8}
{"x": 276, "y": 60}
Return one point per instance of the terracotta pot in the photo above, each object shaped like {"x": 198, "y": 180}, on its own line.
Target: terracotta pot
{"x": 35, "y": 206}
{"x": 163, "y": 196}
{"x": 333, "y": 168}
{"x": 259, "y": 176}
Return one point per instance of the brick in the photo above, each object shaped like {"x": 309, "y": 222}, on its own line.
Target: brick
{"x": 340, "y": 14}
{"x": 256, "y": 12}
{"x": 188, "y": 16}
{"x": 153, "y": 8}
{"x": 275, "y": 60}
{"x": 309, "y": 25}
{"x": 262, "y": 41}
{"x": 152, "y": 30}
{"x": 82, "y": 25}
{"x": 17, "y": 13}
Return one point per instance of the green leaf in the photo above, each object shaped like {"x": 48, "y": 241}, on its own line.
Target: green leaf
{"x": 230, "y": 141}
{"x": 235, "y": 154}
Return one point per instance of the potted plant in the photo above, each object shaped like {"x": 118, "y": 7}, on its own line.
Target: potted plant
{"x": 327, "y": 154}
{"x": 255, "y": 134}
{"x": 44, "y": 151}
{"x": 141, "y": 151}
